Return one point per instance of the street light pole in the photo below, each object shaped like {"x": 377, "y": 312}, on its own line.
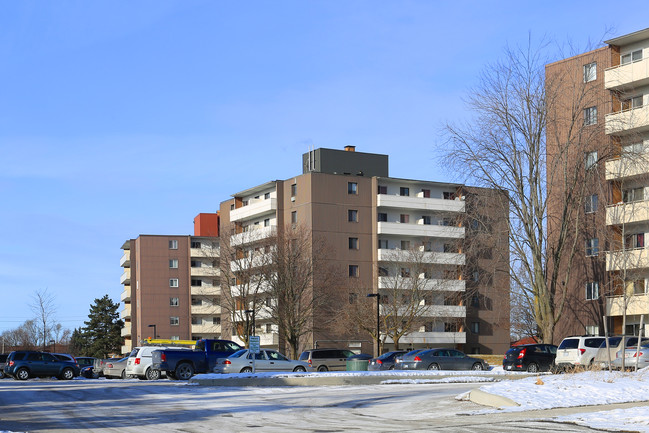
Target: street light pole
{"x": 378, "y": 321}
{"x": 155, "y": 331}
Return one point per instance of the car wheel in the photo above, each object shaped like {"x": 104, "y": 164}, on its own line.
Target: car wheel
{"x": 67, "y": 374}
{"x": 152, "y": 374}
{"x": 477, "y": 366}
{"x": 300, "y": 369}
{"x": 22, "y": 374}
{"x": 532, "y": 368}
{"x": 184, "y": 371}
{"x": 391, "y": 367}
{"x": 2, "y": 374}
{"x": 433, "y": 366}
{"x": 246, "y": 370}
{"x": 323, "y": 368}
{"x": 123, "y": 375}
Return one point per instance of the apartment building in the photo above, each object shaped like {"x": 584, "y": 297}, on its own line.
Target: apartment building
{"x": 171, "y": 285}
{"x": 609, "y": 278}
{"x": 372, "y": 223}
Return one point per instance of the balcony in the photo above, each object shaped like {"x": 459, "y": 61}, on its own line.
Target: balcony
{"x": 627, "y": 167}
{"x": 126, "y": 330}
{"x": 126, "y": 312}
{"x": 206, "y": 328}
{"x": 628, "y": 122}
{"x": 204, "y": 252}
{"x": 420, "y": 230}
{"x": 127, "y": 347}
{"x": 255, "y": 261}
{"x": 252, "y": 236}
{"x": 206, "y": 309}
{"x": 266, "y": 339}
{"x": 626, "y": 213}
{"x": 636, "y": 305}
{"x": 420, "y": 203}
{"x": 205, "y": 271}
{"x": 404, "y": 256}
{"x": 637, "y": 258}
{"x": 205, "y": 290}
{"x": 430, "y": 338}
{"x": 428, "y": 284}
{"x": 125, "y": 261}
{"x": 126, "y": 277}
{"x": 254, "y": 209}
{"x": 126, "y": 295}
{"x": 458, "y": 311}
{"x": 634, "y": 74}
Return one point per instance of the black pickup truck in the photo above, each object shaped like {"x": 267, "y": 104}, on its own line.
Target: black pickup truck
{"x": 183, "y": 364}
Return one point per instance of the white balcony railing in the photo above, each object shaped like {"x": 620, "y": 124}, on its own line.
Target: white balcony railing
{"x": 428, "y": 284}
{"x": 205, "y": 290}
{"x": 420, "y": 230}
{"x": 455, "y": 311}
{"x": 206, "y": 328}
{"x": 430, "y": 338}
{"x": 635, "y": 305}
{"x": 634, "y": 74}
{"x": 126, "y": 312}
{"x": 252, "y": 236}
{"x": 126, "y": 295}
{"x": 205, "y": 271}
{"x": 626, "y": 167}
{"x": 210, "y": 252}
{"x": 206, "y": 309}
{"x": 625, "y": 213}
{"x": 420, "y": 203}
{"x": 254, "y": 209}
{"x": 626, "y": 122}
{"x": 126, "y": 277}
{"x": 125, "y": 261}
{"x": 266, "y": 339}
{"x": 637, "y": 258}
{"x": 388, "y": 255}
{"x": 126, "y": 331}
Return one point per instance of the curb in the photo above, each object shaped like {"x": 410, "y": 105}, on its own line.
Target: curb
{"x": 484, "y": 398}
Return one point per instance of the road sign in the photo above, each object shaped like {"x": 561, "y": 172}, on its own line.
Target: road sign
{"x": 253, "y": 343}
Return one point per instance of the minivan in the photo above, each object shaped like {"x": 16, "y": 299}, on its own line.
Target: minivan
{"x": 327, "y": 359}
{"x": 139, "y": 362}
{"x": 577, "y": 351}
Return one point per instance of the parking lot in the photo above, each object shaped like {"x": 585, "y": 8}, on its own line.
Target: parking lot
{"x": 141, "y": 406}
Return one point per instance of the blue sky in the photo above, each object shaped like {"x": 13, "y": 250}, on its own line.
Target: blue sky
{"x": 124, "y": 118}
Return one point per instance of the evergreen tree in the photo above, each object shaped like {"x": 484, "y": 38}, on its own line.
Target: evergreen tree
{"x": 103, "y": 329}
{"x": 79, "y": 343}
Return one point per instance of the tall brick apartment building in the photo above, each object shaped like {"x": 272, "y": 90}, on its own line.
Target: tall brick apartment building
{"x": 612, "y": 264}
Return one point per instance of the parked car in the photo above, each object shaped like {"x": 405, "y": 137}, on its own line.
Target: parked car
{"x": 359, "y": 357}
{"x": 86, "y": 364}
{"x": 99, "y": 364}
{"x": 266, "y": 360}
{"x": 614, "y": 345}
{"x": 385, "y": 361}
{"x": 3, "y": 361}
{"x": 326, "y": 359}
{"x": 398, "y": 360}
{"x": 577, "y": 351}
{"x": 140, "y": 362}
{"x": 632, "y": 356}
{"x": 442, "y": 359}
{"x": 180, "y": 363}
{"x": 530, "y": 357}
{"x": 23, "y": 364}
{"x": 115, "y": 369}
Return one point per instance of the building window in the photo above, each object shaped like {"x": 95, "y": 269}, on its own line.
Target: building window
{"x": 427, "y": 219}
{"x": 383, "y": 272}
{"x": 594, "y": 330}
{"x": 591, "y": 203}
{"x": 267, "y": 222}
{"x": 174, "y": 321}
{"x": 353, "y": 270}
{"x": 383, "y": 244}
{"x": 475, "y": 300}
{"x": 197, "y": 282}
{"x": 196, "y": 263}
{"x": 633, "y": 194}
{"x": 173, "y": 302}
{"x": 632, "y": 149}
{"x": 631, "y": 103}
{"x": 426, "y": 193}
{"x": 591, "y": 160}
{"x": 592, "y": 247}
{"x": 196, "y": 244}
{"x": 353, "y": 243}
{"x": 266, "y": 196}
{"x": 382, "y": 217}
{"x": 216, "y": 320}
{"x": 448, "y": 195}
{"x": 294, "y": 217}
{"x": 293, "y": 191}
{"x": 197, "y": 302}
{"x": 173, "y": 263}
{"x": 404, "y": 218}
{"x": 196, "y": 321}
{"x": 633, "y": 56}
{"x": 173, "y": 282}
{"x": 475, "y": 327}
{"x": 173, "y": 245}
{"x": 177, "y": 337}
{"x": 405, "y": 245}
{"x": 404, "y": 272}
{"x": 383, "y": 189}
{"x": 590, "y": 72}
{"x": 590, "y": 116}
{"x": 352, "y": 188}
{"x": 352, "y": 215}
{"x": 592, "y": 290}
{"x": 635, "y": 240}
{"x": 404, "y": 191}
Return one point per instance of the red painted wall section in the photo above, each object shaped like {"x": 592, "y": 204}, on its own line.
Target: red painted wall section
{"x": 206, "y": 224}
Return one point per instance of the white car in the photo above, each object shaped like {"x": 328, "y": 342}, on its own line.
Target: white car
{"x": 577, "y": 351}
{"x": 139, "y": 362}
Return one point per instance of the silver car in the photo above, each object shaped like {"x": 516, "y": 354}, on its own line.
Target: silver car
{"x": 115, "y": 368}
{"x": 442, "y": 359}
{"x": 265, "y": 360}
{"x": 630, "y": 358}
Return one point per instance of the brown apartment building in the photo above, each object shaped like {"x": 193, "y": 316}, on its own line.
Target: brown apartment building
{"x": 606, "y": 89}
{"x": 371, "y": 221}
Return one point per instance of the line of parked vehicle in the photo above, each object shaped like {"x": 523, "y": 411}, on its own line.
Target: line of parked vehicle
{"x": 224, "y": 356}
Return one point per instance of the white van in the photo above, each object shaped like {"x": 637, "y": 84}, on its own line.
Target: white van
{"x": 139, "y": 362}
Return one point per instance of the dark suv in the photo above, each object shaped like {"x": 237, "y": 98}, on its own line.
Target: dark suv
{"x": 3, "y": 361}
{"x": 530, "y": 357}
{"x": 23, "y": 364}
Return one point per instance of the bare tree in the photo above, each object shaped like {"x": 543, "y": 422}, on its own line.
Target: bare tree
{"x": 44, "y": 308}
{"x": 243, "y": 286}
{"x": 297, "y": 276}
{"x": 505, "y": 148}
